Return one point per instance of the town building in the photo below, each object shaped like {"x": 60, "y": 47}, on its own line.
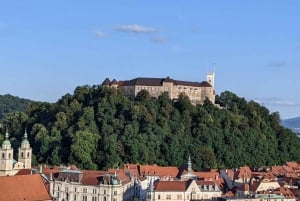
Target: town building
{"x": 89, "y": 185}
{"x": 9, "y": 166}
{"x": 196, "y": 91}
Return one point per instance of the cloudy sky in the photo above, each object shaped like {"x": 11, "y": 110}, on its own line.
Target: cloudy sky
{"x": 47, "y": 48}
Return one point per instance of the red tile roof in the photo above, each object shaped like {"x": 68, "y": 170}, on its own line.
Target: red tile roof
{"x": 154, "y": 170}
{"x": 287, "y": 193}
{"x": 24, "y": 172}
{"x": 207, "y": 175}
{"x": 23, "y": 187}
{"x": 178, "y": 186}
{"x": 92, "y": 177}
{"x": 244, "y": 172}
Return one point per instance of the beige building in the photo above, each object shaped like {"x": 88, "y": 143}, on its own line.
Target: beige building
{"x": 196, "y": 91}
{"x": 87, "y": 185}
{"x": 9, "y": 166}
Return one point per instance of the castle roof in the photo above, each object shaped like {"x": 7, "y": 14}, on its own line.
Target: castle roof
{"x": 143, "y": 81}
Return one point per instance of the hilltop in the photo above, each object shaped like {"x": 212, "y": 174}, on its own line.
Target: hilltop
{"x": 97, "y": 127}
{"x": 10, "y": 103}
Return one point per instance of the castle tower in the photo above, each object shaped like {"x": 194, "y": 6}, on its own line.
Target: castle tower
{"x": 6, "y": 157}
{"x": 210, "y": 78}
{"x": 25, "y": 152}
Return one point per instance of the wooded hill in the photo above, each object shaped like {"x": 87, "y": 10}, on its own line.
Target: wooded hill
{"x": 98, "y": 128}
{"x": 9, "y": 103}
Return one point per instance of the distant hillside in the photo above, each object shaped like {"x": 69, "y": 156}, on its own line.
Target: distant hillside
{"x": 9, "y": 103}
{"x": 293, "y": 124}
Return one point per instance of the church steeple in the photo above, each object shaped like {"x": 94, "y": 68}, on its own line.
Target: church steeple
{"x": 25, "y": 142}
{"x": 189, "y": 164}
{"x": 6, "y": 143}
{"x": 6, "y": 157}
{"x": 25, "y": 152}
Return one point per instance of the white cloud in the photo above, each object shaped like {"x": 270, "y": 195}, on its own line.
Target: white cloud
{"x": 277, "y": 102}
{"x": 135, "y": 28}
{"x": 100, "y": 34}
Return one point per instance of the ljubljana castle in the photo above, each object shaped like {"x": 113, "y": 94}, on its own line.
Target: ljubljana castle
{"x": 196, "y": 91}
{"x": 8, "y": 165}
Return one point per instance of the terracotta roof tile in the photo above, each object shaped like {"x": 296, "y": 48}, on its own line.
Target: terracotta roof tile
{"x": 160, "y": 171}
{"x": 207, "y": 175}
{"x": 24, "y": 172}
{"x": 23, "y": 187}
{"x": 171, "y": 185}
{"x": 92, "y": 177}
{"x": 244, "y": 172}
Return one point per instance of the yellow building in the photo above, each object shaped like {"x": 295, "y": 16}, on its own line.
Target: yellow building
{"x": 196, "y": 91}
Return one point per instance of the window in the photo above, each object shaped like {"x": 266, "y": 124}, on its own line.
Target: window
{"x": 179, "y": 197}
{"x": 104, "y": 192}
{"x": 115, "y": 192}
{"x": 84, "y": 198}
{"x": 28, "y": 154}
{"x": 74, "y": 197}
{"x": 9, "y": 155}
{"x": 22, "y": 154}
{"x": 66, "y": 189}
{"x": 75, "y": 189}
{"x": 94, "y": 198}
{"x": 2, "y": 155}
{"x": 104, "y": 198}
{"x": 168, "y": 197}
{"x": 94, "y": 191}
{"x": 158, "y": 197}
{"x": 84, "y": 190}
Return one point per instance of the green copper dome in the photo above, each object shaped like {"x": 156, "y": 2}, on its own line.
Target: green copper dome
{"x": 6, "y": 142}
{"x": 25, "y": 140}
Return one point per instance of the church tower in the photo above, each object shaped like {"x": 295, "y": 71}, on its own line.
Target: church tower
{"x": 25, "y": 152}
{"x": 6, "y": 157}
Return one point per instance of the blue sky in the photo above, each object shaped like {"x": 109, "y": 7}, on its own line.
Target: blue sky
{"x": 47, "y": 48}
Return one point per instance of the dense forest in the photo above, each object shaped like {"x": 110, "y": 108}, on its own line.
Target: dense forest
{"x": 98, "y": 128}
{"x": 9, "y": 103}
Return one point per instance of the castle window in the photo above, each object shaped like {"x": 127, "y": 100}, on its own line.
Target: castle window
{"x": 3, "y": 155}
{"x": 22, "y": 154}
{"x": 28, "y": 154}
{"x": 9, "y": 155}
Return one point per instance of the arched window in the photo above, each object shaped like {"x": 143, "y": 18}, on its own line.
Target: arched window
{"x": 9, "y": 155}
{"x": 3, "y": 155}
{"x": 22, "y": 154}
{"x": 28, "y": 154}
